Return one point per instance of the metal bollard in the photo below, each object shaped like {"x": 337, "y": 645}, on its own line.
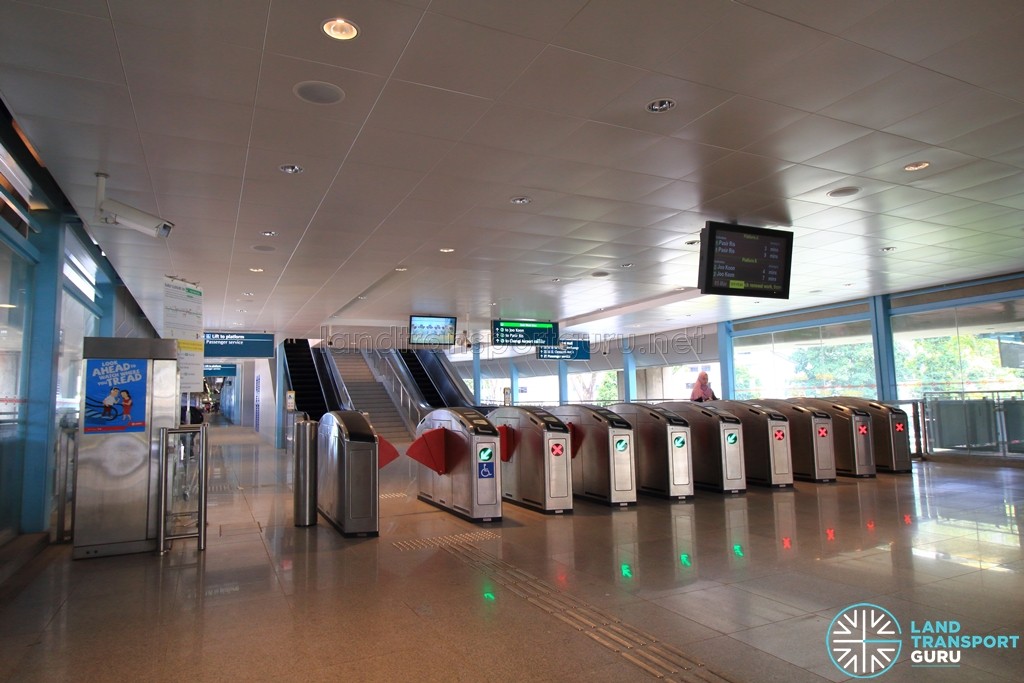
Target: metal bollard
{"x": 305, "y": 472}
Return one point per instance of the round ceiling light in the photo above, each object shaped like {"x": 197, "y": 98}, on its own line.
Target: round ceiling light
{"x": 917, "y": 166}
{"x": 519, "y": 201}
{"x": 318, "y": 92}
{"x": 291, "y": 169}
{"x": 263, "y": 247}
{"x": 660, "y": 106}
{"x": 340, "y": 29}
{"x": 600, "y": 273}
{"x": 843, "y": 192}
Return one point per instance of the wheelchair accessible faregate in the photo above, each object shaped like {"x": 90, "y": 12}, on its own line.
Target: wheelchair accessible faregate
{"x": 535, "y": 460}
{"x": 459, "y": 453}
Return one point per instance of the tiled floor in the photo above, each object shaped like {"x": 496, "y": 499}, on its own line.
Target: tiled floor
{"x": 747, "y": 585}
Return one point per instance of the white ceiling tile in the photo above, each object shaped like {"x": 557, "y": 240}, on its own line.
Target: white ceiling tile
{"x": 438, "y": 113}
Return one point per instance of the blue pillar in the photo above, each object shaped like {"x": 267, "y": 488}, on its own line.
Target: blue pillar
{"x": 477, "y": 379}
{"x": 563, "y": 382}
{"x": 628, "y": 374}
{"x": 41, "y": 415}
{"x": 725, "y": 358}
{"x": 885, "y": 356}
{"x": 282, "y": 391}
{"x": 514, "y": 377}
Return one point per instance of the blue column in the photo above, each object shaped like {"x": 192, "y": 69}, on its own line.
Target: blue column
{"x": 725, "y": 364}
{"x": 282, "y": 391}
{"x": 514, "y": 377}
{"x": 885, "y": 356}
{"x": 628, "y": 374}
{"x": 563, "y": 382}
{"x": 41, "y": 416}
{"x": 477, "y": 379}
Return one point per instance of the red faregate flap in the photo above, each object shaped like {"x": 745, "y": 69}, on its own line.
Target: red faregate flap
{"x": 575, "y": 438}
{"x": 386, "y": 452}
{"x": 429, "y": 449}
{"x": 509, "y": 441}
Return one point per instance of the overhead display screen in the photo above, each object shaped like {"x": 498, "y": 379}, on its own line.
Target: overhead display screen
{"x": 432, "y": 330}
{"x": 739, "y": 260}
{"x": 523, "y": 333}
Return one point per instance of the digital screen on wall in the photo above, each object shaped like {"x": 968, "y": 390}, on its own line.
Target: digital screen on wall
{"x": 432, "y": 330}
{"x": 739, "y": 260}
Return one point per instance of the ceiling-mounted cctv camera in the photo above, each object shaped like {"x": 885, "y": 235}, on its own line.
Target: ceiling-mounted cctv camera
{"x": 113, "y": 212}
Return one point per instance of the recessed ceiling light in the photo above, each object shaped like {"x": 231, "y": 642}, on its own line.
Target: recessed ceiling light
{"x": 401, "y": 269}
{"x": 691, "y": 243}
{"x": 291, "y": 169}
{"x": 446, "y": 250}
{"x": 814, "y": 291}
{"x": 242, "y": 310}
{"x": 599, "y": 273}
{"x": 917, "y": 166}
{"x": 843, "y": 191}
{"x": 887, "y": 249}
{"x": 625, "y": 265}
{"x": 556, "y": 279}
{"x": 494, "y": 303}
{"x": 237, "y": 324}
{"x": 255, "y": 270}
{"x": 660, "y": 106}
{"x": 340, "y": 29}
{"x": 269, "y": 233}
{"x": 318, "y": 92}
{"x": 248, "y": 293}
{"x": 520, "y": 200}
{"x": 361, "y": 298}
{"x": 847, "y": 284}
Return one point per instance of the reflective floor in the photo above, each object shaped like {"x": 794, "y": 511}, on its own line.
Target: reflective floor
{"x": 737, "y": 588}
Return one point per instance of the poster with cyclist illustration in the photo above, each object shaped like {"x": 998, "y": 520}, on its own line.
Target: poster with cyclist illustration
{"x": 115, "y": 395}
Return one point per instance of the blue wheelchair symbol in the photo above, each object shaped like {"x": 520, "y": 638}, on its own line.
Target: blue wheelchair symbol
{"x": 485, "y": 470}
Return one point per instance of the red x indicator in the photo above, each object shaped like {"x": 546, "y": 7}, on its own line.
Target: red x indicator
{"x": 862, "y": 429}
{"x": 899, "y": 426}
{"x": 830, "y": 534}
{"x": 907, "y": 519}
{"x": 787, "y": 542}
{"x": 557, "y": 449}
{"x": 822, "y": 431}
{"x": 779, "y": 435}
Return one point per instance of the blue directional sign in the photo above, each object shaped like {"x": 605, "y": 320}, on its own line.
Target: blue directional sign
{"x": 567, "y": 349}
{"x": 220, "y": 370}
{"x": 238, "y": 345}
{"x": 523, "y": 333}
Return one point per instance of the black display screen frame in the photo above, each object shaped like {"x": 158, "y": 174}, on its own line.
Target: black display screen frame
{"x": 749, "y": 242}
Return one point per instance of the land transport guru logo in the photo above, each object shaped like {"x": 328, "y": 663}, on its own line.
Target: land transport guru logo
{"x": 865, "y": 640}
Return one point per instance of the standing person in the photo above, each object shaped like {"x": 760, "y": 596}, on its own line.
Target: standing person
{"x": 702, "y": 389}
{"x": 108, "y": 403}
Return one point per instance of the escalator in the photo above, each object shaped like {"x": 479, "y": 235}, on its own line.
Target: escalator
{"x": 435, "y": 380}
{"x": 303, "y": 378}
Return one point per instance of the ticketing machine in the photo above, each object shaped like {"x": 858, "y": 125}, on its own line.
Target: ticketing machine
{"x": 603, "y": 464}
{"x": 662, "y": 446}
{"x": 459, "y": 453}
{"x": 717, "y": 446}
{"x": 811, "y": 436}
{"x": 766, "y": 443}
{"x": 852, "y": 436}
{"x": 535, "y": 459}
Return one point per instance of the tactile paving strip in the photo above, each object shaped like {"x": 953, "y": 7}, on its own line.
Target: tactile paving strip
{"x": 642, "y": 649}
{"x": 442, "y": 541}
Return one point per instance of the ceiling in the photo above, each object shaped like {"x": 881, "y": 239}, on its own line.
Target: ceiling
{"x": 452, "y": 108}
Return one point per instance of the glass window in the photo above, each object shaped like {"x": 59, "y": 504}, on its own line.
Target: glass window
{"x": 599, "y": 388}
{"x": 14, "y": 319}
{"x": 827, "y": 360}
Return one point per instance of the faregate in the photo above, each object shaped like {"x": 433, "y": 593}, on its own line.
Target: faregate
{"x": 603, "y": 464}
{"x": 890, "y": 428}
{"x": 662, "y": 447}
{"x": 811, "y": 435}
{"x": 347, "y": 463}
{"x": 535, "y": 458}
{"x": 717, "y": 446}
{"x": 766, "y": 443}
{"x": 852, "y": 436}
{"x": 459, "y": 453}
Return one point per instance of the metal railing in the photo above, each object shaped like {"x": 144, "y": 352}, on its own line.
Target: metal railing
{"x": 184, "y": 473}
{"x": 975, "y": 422}
{"x": 410, "y": 406}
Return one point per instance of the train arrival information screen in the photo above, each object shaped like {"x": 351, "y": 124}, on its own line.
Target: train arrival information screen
{"x": 738, "y": 260}
{"x": 523, "y": 333}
